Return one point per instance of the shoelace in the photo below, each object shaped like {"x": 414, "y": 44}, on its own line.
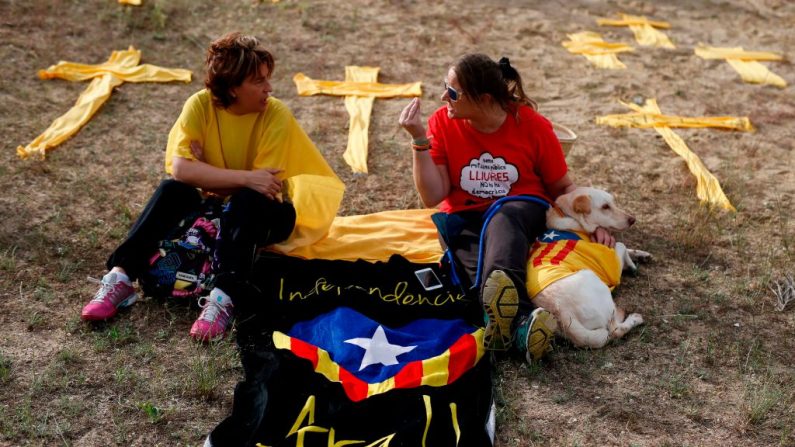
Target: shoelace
{"x": 210, "y": 310}
{"x": 104, "y": 289}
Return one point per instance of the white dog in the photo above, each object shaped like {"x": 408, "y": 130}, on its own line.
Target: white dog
{"x": 572, "y": 277}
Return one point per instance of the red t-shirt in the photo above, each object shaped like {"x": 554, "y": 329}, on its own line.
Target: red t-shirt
{"x": 519, "y": 158}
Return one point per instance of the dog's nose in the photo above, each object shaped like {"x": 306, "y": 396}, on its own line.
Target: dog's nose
{"x": 631, "y": 220}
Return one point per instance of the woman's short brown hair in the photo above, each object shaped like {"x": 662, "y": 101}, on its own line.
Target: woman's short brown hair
{"x": 230, "y": 60}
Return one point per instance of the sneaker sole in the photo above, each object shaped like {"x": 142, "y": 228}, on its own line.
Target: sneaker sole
{"x": 127, "y": 302}
{"x": 501, "y": 303}
{"x": 540, "y": 334}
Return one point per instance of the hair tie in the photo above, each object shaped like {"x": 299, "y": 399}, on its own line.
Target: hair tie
{"x": 505, "y": 68}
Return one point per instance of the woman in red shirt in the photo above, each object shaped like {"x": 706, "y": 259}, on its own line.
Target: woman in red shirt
{"x": 487, "y": 144}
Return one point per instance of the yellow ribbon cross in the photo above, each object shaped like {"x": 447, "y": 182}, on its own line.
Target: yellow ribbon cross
{"x": 745, "y": 63}
{"x": 122, "y": 66}
{"x": 597, "y": 51}
{"x": 360, "y": 90}
{"x": 644, "y": 29}
{"x": 708, "y": 188}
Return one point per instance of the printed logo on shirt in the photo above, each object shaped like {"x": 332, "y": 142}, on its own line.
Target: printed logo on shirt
{"x": 488, "y": 177}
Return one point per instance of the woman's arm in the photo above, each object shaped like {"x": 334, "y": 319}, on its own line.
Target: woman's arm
{"x": 431, "y": 180}
{"x": 560, "y": 187}
{"x": 220, "y": 180}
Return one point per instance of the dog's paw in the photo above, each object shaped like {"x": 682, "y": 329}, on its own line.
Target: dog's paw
{"x": 634, "y": 319}
{"x": 639, "y": 255}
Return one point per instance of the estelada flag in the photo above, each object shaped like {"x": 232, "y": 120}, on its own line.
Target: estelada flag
{"x": 361, "y": 354}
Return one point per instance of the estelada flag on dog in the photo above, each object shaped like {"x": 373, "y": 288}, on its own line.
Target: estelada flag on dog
{"x": 358, "y": 353}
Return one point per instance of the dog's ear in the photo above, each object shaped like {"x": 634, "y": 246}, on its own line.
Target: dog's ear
{"x": 582, "y": 204}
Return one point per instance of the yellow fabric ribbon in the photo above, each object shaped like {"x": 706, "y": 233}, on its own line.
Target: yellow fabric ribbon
{"x": 121, "y": 66}
{"x": 597, "y": 51}
{"x": 745, "y": 63}
{"x": 130, "y": 2}
{"x": 359, "y": 109}
{"x": 360, "y": 90}
{"x": 708, "y": 188}
{"x": 643, "y": 28}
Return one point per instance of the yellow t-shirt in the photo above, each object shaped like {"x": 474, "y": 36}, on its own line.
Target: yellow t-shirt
{"x": 269, "y": 139}
{"x": 557, "y": 254}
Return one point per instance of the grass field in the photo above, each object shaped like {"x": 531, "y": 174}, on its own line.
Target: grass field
{"x": 713, "y": 365}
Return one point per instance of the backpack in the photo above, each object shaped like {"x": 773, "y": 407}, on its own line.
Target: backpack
{"x": 184, "y": 265}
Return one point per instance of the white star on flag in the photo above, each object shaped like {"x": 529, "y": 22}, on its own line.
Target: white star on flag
{"x": 378, "y": 349}
{"x": 550, "y": 235}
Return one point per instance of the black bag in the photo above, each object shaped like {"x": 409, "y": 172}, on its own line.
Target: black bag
{"x": 185, "y": 263}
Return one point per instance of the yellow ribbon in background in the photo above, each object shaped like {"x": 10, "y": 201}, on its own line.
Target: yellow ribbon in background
{"x": 708, "y": 188}
{"x": 130, "y": 2}
{"x": 122, "y": 66}
{"x": 643, "y": 28}
{"x": 597, "y": 51}
{"x": 745, "y": 63}
{"x": 360, "y": 90}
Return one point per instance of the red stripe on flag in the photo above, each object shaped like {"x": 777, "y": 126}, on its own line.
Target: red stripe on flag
{"x": 544, "y": 252}
{"x": 304, "y": 350}
{"x": 462, "y": 357}
{"x": 355, "y": 388}
{"x": 410, "y": 376}
{"x": 563, "y": 252}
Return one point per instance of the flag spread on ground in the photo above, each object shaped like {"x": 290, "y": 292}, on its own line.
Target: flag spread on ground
{"x": 358, "y": 353}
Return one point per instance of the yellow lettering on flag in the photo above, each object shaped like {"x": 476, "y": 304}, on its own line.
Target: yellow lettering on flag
{"x": 745, "y": 63}
{"x": 122, "y": 66}
{"x": 597, "y": 51}
{"x": 708, "y": 188}
{"x": 644, "y": 29}
{"x": 360, "y": 90}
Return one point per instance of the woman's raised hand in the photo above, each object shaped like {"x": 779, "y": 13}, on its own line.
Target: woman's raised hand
{"x": 411, "y": 119}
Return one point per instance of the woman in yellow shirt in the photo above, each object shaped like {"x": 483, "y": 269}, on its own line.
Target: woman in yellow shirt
{"x": 232, "y": 140}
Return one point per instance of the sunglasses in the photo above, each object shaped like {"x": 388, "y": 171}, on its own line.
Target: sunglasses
{"x": 454, "y": 94}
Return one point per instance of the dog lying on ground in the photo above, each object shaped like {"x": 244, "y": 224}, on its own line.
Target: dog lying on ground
{"x": 572, "y": 277}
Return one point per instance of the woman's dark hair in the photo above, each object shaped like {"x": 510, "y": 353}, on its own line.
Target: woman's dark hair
{"x": 230, "y": 60}
{"x": 479, "y": 75}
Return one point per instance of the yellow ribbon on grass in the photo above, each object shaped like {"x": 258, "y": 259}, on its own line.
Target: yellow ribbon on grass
{"x": 597, "y": 51}
{"x": 745, "y": 63}
{"x": 644, "y": 29}
{"x": 708, "y": 188}
{"x": 122, "y": 66}
{"x": 360, "y": 90}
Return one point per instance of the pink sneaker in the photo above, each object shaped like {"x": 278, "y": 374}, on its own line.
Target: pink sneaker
{"x": 213, "y": 320}
{"x": 113, "y": 293}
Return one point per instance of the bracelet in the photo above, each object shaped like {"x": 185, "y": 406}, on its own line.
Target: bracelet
{"x": 421, "y": 147}
{"x": 420, "y": 141}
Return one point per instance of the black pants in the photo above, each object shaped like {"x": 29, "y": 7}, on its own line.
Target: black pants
{"x": 506, "y": 245}
{"x": 248, "y": 220}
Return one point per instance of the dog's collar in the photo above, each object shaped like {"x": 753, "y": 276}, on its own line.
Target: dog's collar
{"x": 558, "y": 210}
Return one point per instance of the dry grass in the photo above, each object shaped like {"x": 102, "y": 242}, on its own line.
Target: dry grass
{"x": 712, "y": 366}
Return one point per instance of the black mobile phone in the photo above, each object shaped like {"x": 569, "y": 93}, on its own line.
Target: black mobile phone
{"x": 428, "y": 279}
